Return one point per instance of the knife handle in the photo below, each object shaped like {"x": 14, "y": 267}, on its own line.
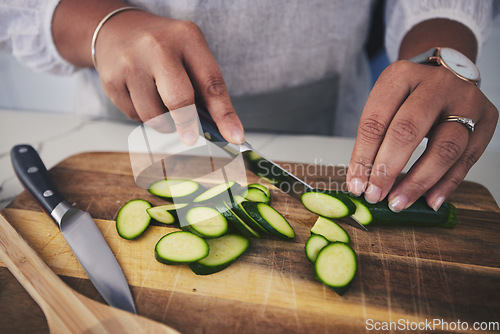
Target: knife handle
{"x": 32, "y": 173}
{"x": 210, "y": 130}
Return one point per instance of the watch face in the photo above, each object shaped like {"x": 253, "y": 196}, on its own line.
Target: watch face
{"x": 459, "y": 63}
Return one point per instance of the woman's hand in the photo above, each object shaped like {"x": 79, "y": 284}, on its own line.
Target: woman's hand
{"x": 150, "y": 64}
{"x": 407, "y": 104}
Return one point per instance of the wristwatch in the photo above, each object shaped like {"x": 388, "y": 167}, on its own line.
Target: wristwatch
{"x": 453, "y": 61}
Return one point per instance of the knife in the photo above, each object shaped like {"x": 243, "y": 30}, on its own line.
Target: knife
{"x": 259, "y": 164}
{"x": 77, "y": 227}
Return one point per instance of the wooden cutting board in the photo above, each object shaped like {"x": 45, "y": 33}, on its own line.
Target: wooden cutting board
{"x": 405, "y": 275}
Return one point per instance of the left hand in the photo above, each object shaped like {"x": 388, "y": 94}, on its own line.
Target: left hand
{"x": 406, "y": 104}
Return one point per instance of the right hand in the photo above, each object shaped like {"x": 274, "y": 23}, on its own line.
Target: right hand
{"x": 149, "y": 65}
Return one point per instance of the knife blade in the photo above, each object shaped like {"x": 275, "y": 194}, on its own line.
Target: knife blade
{"x": 78, "y": 228}
{"x": 259, "y": 164}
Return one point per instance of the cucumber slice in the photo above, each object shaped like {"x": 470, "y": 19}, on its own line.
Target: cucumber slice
{"x": 166, "y": 214}
{"x": 261, "y": 187}
{"x": 205, "y": 222}
{"x": 314, "y": 244}
{"x": 362, "y": 214}
{"x": 330, "y": 230}
{"x": 235, "y": 221}
{"x": 132, "y": 219}
{"x": 329, "y": 204}
{"x": 223, "y": 251}
{"x": 217, "y": 192}
{"x": 419, "y": 214}
{"x": 256, "y": 195}
{"x": 171, "y": 189}
{"x": 240, "y": 211}
{"x": 269, "y": 219}
{"x": 336, "y": 266}
{"x": 180, "y": 248}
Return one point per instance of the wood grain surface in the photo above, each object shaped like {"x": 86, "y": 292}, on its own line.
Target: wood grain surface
{"x": 413, "y": 274}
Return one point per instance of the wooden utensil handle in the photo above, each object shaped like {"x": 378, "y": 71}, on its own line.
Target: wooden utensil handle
{"x": 29, "y": 269}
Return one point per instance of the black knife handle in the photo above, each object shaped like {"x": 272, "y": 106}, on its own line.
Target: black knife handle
{"x": 32, "y": 173}
{"x": 210, "y": 130}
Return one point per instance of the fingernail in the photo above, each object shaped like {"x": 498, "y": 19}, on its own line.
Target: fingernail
{"x": 189, "y": 138}
{"x": 237, "y": 136}
{"x": 437, "y": 203}
{"x": 372, "y": 194}
{"x": 356, "y": 187}
{"x": 398, "y": 203}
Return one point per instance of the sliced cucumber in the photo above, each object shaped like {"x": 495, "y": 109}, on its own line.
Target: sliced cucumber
{"x": 240, "y": 211}
{"x": 362, "y": 214}
{"x": 336, "y": 266}
{"x": 314, "y": 244}
{"x": 261, "y": 187}
{"x": 180, "y": 248}
{"x": 269, "y": 219}
{"x": 329, "y": 204}
{"x": 223, "y": 251}
{"x": 256, "y": 195}
{"x": 235, "y": 221}
{"x": 166, "y": 214}
{"x": 330, "y": 230}
{"x": 419, "y": 214}
{"x": 224, "y": 191}
{"x": 174, "y": 189}
{"x": 205, "y": 222}
{"x": 132, "y": 219}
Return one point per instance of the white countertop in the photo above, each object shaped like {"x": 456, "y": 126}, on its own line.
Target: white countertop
{"x": 58, "y": 136}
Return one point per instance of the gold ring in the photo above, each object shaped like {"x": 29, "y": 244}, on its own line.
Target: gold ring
{"x": 467, "y": 122}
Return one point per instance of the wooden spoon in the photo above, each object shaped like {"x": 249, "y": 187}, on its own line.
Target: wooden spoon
{"x": 66, "y": 310}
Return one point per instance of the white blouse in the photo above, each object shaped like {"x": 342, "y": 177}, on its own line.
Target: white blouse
{"x": 302, "y": 62}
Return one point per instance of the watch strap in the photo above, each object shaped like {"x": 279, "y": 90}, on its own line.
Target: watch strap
{"x": 423, "y": 58}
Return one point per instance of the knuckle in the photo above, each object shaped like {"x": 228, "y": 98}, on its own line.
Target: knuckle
{"x": 456, "y": 179}
{"x": 215, "y": 86}
{"x": 469, "y": 160}
{"x": 372, "y": 129}
{"x": 419, "y": 186}
{"x": 405, "y": 131}
{"x": 180, "y": 100}
{"x": 397, "y": 69}
{"x": 448, "y": 151}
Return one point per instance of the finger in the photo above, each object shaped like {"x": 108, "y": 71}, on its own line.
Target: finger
{"x": 446, "y": 145}
{"x": 478, "y": 142}
{"x": 387, "y": 95}
{"x": 119, "y": 95}
{"x": 211, "y": 88}
{"x": 148, "y": 103}
{"x": 177, "y": 94}
{"x": 407, "y": 129}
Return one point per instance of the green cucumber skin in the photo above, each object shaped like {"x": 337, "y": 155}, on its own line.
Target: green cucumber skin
{"x": 260, "y": 187}
{"x": 419, "y": 214}
{"x": 308, "y": 245}
{"x": 251, "y": 209}
{"x": 201, "y": 269}
{"x": 240, "y": 211}
{"x": 232, "y": 220}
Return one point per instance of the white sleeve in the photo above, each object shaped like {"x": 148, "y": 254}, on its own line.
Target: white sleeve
{"x": 25, "y": 32}
{"x": 402, "y": 15}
